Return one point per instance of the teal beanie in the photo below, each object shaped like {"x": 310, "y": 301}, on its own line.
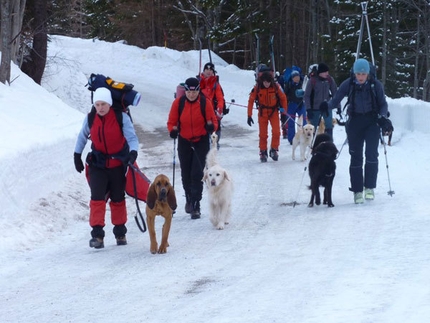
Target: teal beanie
{"x": 361, "y": 66}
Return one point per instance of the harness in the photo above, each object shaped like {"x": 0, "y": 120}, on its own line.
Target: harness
{"x": 260, "y": 106}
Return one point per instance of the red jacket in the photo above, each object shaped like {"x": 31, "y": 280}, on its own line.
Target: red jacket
{"x": 192, "y": 125}
{"x": 211, "y": 88}
{"x": 267, "y": 98}
{"x": 107, "y": 137}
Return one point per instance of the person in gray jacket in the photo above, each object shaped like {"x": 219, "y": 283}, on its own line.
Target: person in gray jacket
{"x": 320, "y": 88}
{"x": 367, "y": 111}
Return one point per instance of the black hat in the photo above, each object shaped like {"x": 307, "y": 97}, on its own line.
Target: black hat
{"x": 322, "y": 67}
{"x": 266, "y": 76}
{"x": 209, "y": 66}
{"x": 192, "y": 84}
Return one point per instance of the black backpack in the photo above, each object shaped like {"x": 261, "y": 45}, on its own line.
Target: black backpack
{"x": 122, "y": 93}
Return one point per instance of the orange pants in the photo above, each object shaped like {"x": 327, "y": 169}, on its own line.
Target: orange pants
{"x": 264, "y": 117}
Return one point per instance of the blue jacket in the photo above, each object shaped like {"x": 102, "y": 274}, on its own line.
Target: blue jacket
{"x": 362, "y": 97}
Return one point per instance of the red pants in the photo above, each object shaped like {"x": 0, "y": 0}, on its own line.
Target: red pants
{"x": 264, "y": 117}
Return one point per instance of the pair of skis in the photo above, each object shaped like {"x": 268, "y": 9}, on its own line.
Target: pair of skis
{"x": 271, "y": 52}
{"x": 200, "y": 54}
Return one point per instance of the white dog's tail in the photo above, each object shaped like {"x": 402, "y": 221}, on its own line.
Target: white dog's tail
{"x": 211, "y": 156}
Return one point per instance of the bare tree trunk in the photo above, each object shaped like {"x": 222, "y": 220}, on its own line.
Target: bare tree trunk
{"x": 35, "y": 66}
{"x": 6, "y": 26}
{"x": 17, "y": 18}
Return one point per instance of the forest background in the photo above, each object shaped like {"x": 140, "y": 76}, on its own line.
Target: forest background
{"x": 304, "y": 32}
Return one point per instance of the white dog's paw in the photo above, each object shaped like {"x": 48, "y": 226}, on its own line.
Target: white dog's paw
{"x": 220, "y": 226}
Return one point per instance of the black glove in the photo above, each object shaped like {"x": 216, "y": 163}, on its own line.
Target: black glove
{"x": 174, "y": 133}
{"x": 310, "y": 113}
{"x": 79, "y": 165}
{"x": 250, "y": 121}
{"x": 225, "y": 110}
{"x": 132, "y": 156}
{"x": 339, "y": 111}
{"x": 385, "y": 125}
{"x": 324, "y": 108}
{"x": 283, "y": 118}
{"x": 210, "y": 127}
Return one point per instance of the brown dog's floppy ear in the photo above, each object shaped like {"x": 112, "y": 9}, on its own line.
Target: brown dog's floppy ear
{"x": 171, "y": 198}
{"x": 151, "y": 197}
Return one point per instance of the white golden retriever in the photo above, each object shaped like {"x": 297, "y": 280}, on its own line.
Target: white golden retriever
{"x": 220, "y": 188}
{"x": 303, "y": 138}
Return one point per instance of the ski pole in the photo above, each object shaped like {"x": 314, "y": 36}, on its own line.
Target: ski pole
{"x": 344, "y": 143}
{"x": 301, "y": 182}
{"x": 174, "y": 162}
{"x": 390, "y": 192}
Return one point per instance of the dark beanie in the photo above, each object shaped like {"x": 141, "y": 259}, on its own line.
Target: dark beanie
{"x": 322, "y": 67}
{"x": 209, "y": 66}
{"x": 192, "y": 84}
{"x": 266, "y": 76}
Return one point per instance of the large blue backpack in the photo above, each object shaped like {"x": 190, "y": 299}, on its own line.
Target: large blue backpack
{"x": 289, "y": 70}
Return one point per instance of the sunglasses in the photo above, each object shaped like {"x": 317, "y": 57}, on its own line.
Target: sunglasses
{"x": 191, "y": 88}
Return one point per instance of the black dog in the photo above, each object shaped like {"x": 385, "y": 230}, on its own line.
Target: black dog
{"x": 388, "y": 133}
{"x": 322, "y": 169}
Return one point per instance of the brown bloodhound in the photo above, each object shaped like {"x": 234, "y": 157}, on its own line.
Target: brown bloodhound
{"x": 161, "y": 200}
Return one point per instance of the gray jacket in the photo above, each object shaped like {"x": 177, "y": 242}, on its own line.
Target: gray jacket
{"x": 323, "y": 90}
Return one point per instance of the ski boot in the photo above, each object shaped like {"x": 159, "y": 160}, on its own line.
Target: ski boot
{"x": 273, "y": 154}
{"x": 263, "y": 156}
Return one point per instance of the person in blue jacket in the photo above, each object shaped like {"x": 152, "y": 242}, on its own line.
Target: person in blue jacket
{"x": 114, "y": 145}
{"x": 294, "y": 92}
{"x": 367, "y": 111}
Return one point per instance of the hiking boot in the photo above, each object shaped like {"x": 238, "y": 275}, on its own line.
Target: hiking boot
{"x": 188, "y": 207}
{"x": 195, "y": 213}
{"x": 274, "y": 154}
{"x": 369, "y": 194}
{"x": 188, "y": 204}
{"x": 97, "y": 243}
{"x": 121, "y": 241}
{"x": 263, "y": 156}
{"x": 358, "y": 198}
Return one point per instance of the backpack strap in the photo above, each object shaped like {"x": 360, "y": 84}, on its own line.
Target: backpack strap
{"x": 351, "y": 94}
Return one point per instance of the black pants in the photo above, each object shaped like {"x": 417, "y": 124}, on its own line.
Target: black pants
{"x": 363, "y": 130}
{"x": 107, "y": 180}
{"x": 192, "y": 157}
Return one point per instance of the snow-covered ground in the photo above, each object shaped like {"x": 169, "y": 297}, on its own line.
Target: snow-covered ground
{"x": 273, "y": 262}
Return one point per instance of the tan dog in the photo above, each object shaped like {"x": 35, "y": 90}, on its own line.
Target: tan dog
{"x": 321, "y": 127}
{"x": 161, "y": 200}
{"x": 303, "y": 138}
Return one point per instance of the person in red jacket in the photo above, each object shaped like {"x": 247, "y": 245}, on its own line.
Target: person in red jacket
{"x": 210, "y": 87}
{"x": 268, "y": 96}
{"x": 192, "y": 125}
{"x": 113, "y": 147}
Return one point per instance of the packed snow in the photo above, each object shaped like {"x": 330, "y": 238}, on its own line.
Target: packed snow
{"x": 275, "y": 261}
